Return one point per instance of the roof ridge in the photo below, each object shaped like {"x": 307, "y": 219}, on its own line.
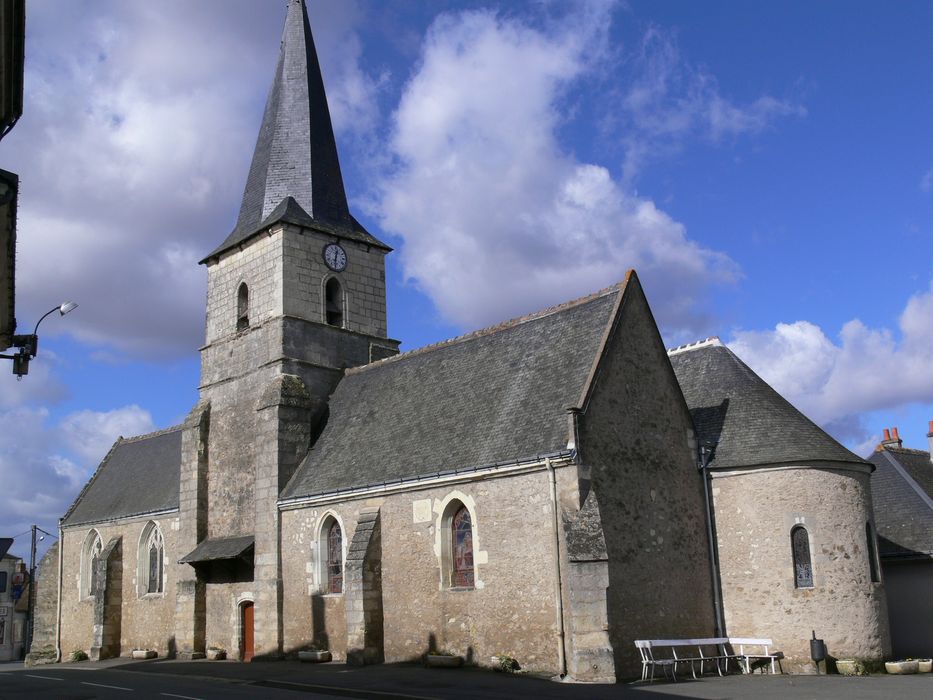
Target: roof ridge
{"x": 712, "y": 341}
{"x": 154, "y": 433}
{"x": 908, "y": 450}
{"x": 909, "y": 480}
{"x": 496, "y": 328}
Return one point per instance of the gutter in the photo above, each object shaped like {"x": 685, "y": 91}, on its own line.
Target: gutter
{"x": 416, "y": 483}
{"x": 122, "y": 518}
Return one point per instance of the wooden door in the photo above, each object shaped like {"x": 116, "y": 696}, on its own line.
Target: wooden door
{"x": 247, "y": 631}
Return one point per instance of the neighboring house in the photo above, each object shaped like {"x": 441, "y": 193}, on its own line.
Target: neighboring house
{"x": 903, "y": 495}
{"x": 14, "y": 594}
{"x": 530, "y": 488}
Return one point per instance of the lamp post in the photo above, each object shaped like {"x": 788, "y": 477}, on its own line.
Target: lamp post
{"x": 29, "y": 344}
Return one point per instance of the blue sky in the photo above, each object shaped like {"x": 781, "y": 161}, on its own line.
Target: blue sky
{"x": 767, "y": 169}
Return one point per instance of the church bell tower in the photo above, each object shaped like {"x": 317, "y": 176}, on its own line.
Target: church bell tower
{"x": 296, "y": 294}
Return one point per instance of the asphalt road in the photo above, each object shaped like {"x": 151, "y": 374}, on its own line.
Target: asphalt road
{"x": 72, "y": 684}
{"x": 163, "y": 679}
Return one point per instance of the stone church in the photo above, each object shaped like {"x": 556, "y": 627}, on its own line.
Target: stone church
{"x": 553, "y": 487}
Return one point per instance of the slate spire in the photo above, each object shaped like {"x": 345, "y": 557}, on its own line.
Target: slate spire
{"x": 296, "y": 154}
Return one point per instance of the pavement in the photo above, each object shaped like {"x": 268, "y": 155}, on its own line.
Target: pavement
{"x": 414, "y": 682}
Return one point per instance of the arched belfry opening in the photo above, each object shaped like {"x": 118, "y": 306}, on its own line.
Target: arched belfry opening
{"x": 242, "y": 307}
{"x": 333, "y": 303}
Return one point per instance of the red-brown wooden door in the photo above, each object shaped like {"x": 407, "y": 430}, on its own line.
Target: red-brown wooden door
{"x": 247, "y": 628}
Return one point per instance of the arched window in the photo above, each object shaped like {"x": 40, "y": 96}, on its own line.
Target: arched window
{"x": 333, "y": 303}
{"x": 873, "y": 568}
{"x": 90, "y": 555}
{"x": 461, "y": 549}
{"x": 334, "y": 564}
{"x": 242, "y": 307}
{"x": 150, "y": 572}
{"x": 803, "y": 567}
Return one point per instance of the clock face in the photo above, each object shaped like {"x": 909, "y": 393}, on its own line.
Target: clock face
{"x": 335, "y": 257}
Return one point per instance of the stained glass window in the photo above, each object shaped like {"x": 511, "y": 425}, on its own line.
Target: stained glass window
{"x": 156, "y": 554}
{"x": 803, "y": 568}
{"x": 93, "y": 557}
{"x": 334, "y": 559}
{"x": 462, "y": 549}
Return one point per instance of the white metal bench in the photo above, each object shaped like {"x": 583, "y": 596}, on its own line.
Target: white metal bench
{"x": 695, "y": 652}
{"x": 763, "y": 653}
{"x": 669, "y": 653}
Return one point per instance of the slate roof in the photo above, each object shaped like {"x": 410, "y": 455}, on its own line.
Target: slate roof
{"x": 139, "y": 475}
{"x": 495, "y": 396}
{"x": 902, "y": 496}
{"x": 296, "y": 153}
{"x": 219, "y": 548}
{"x": 750, "y": 422}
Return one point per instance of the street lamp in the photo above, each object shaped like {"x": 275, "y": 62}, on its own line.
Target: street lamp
{"x": 29, "y": 344}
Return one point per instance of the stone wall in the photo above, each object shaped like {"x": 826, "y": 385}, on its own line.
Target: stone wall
{"x": 259, "y": 265}
{"x": 512, "y": 608}
{"x": 146, "y": 619}
{"x": 636, "y": 437}
{"x": 285, "y": 273}
{"x": 46, "y": 608}
{"x": 363, "y": 281}
{"x": 266, "y": 388}
{"x": 223, "y": 623}
{"x": 755, "y": 511}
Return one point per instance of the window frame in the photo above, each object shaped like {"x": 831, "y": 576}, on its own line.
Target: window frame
{"x": 91, "y": 551}
{"x": 448, "y": 545}
{"x": 341, "y": 300}
{"x": 150, "y": 536}
{"x": 242, "y": 307}
{"x": 323, "y": 550}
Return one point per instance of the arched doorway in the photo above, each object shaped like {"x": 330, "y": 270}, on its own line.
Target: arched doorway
{"x": 246, "y": 631}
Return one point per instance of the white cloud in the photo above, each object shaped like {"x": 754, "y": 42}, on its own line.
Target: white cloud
{"x": 926, "y": 182}
{"x": 667, "y": 100}
{"x": 132, "y": 152}
{"x": 43, "y": 465}
{"x": 90, "y": 434}
{"x": 865, "y": 369}
{"x": 498, "y": 218}
{"x": 352, "y": 91}
{"x": 41, "y": 386}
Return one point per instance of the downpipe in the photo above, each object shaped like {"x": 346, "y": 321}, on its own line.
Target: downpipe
{"x": 561, "y": 654}
{"x": 705, "y": 455}
{"x": 58, "y": 613}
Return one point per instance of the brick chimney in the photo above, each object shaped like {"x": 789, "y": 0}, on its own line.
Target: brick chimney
{"x": 891, "y": 438}
{"x": 930, "y": 440}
